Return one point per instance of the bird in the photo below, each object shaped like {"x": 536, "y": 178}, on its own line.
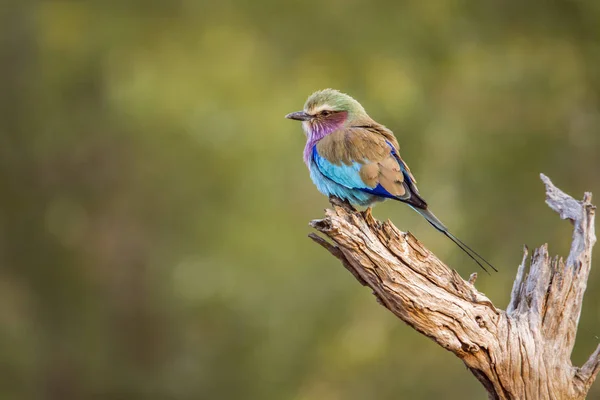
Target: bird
{"x": 351, "y": 156}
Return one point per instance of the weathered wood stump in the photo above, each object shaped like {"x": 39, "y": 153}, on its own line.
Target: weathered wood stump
{"x": 523, "y": 352}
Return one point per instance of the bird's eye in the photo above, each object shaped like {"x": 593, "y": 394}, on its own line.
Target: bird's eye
{"x": 325, "y": 113}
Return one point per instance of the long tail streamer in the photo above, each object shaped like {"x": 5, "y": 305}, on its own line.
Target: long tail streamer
{"x": 437, "y": 224}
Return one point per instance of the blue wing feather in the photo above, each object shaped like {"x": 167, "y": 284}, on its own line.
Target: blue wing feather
{"x": 345, "y": 175}
{"x": 349, "y": 175}
{"x": 378, "y": 191}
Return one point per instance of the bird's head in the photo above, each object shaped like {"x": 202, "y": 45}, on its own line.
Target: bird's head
{"x": 328, "y": 110}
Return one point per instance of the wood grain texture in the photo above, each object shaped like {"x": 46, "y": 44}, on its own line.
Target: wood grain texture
{"x": 523, "y": 352}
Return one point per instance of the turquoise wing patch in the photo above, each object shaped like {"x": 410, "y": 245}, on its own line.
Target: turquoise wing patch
{"x": 345, "y": 175}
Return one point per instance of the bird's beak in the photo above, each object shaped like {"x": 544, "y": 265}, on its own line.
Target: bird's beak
{"x": 299, "y": 116}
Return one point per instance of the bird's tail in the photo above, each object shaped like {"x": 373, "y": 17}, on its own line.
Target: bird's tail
{"x": 437, "y": 224}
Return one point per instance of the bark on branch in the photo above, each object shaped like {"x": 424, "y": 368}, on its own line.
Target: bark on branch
{"x": 521, "y": 353}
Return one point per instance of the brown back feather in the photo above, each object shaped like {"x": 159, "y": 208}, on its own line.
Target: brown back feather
{"x": 366, "y": 142}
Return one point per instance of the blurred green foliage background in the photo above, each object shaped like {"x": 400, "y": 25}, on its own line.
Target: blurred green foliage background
{"x": 154, "y": 205}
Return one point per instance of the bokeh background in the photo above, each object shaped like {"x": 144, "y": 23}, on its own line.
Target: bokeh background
{"x": 154, "y": 205}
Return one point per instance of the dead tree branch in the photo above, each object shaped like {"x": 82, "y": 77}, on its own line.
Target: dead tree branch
{"x": 521, "y": 353}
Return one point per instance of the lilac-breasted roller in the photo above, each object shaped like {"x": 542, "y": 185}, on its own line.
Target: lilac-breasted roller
{"x": 356, "y": 159}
